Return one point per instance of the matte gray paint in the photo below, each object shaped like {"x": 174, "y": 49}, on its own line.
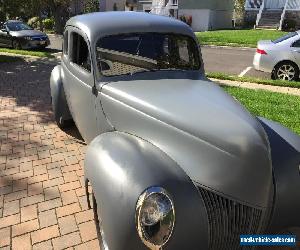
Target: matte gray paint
{"x": 216, "y": 141}
{"x": 183, "y": 138}
{"x": 119, "y": 22}
{"x": 286, "y": 164}
{"x": 119, "y": 180}
{"x": 59, "y": 102}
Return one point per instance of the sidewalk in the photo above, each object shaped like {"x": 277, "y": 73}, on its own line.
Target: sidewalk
{"x": 42, "y": 199}
{"x": 249, "y": 85}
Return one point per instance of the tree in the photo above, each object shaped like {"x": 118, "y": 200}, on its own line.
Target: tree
{"x": 239, "y": 11}
{"x": 91, "y": 6}
{"x": 60, "y": 11}
{"x": 12, "y": 8}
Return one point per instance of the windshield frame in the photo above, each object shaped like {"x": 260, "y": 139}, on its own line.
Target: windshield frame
{"x": 22, "y": 24}
{"x": 158, "y": 72}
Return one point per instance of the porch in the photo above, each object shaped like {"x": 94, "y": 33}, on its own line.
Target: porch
{"x": 272, "y": 13}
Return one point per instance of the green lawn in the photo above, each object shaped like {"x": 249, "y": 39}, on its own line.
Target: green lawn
{"x": 27, "y": 52}
{"x": 282, "y": 108}
{"x": 222, "y": 76}
{"x": 237, "y": 38}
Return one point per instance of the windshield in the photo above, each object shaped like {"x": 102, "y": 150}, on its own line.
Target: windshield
{"x": 17, "y": 26}
{"x": 134, "y": 53}
{"x": 286, "y": 37}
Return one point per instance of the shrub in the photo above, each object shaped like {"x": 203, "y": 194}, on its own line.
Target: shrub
{"x": 289, "y": 25}
{"x": 48, "y": 23}
{"x": 33, "y": 22}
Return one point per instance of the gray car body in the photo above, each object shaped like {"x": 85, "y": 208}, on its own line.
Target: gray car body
{"x": 177, "y": 130}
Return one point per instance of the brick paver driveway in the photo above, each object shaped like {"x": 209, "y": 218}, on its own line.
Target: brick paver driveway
{"x": 42, "y": 199}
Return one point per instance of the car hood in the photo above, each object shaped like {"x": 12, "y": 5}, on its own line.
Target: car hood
{"x": 209, "y": 134}
{"x": 22, "y": 33}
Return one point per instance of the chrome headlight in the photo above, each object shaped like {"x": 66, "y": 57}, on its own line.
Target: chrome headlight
{"x": 155, "y": 217}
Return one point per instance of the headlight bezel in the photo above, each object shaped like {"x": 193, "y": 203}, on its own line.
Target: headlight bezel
{"x": 154, "y": 191}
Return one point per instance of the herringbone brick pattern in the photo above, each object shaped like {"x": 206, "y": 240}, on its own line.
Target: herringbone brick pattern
{"x": 42, "y": 199}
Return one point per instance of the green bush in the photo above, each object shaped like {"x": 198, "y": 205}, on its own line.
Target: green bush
{"x": 33, "y": 22}
{"x": 289, "y": 25}
{"x": 48, "y": 23}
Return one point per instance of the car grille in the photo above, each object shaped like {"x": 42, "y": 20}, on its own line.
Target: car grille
{"x": 229, "y": 219}
{"x": 39, "y": 38}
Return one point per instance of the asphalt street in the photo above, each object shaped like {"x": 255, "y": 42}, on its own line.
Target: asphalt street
{"x": 232, "y": 61}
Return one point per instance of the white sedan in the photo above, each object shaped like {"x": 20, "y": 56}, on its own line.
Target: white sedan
{"x": 280, "y": 57}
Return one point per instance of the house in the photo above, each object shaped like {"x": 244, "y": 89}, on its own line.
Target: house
{"x": 205, "y": 14}
{"x": 272, "y": 13}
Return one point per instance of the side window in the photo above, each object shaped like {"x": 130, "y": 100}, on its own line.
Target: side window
{"x": 80, "y": 52}
{"x": 66, "y": 43}
{"x": 296, "y": 44}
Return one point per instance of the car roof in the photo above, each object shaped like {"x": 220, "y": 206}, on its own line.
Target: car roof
{"x": 100, "y": 24}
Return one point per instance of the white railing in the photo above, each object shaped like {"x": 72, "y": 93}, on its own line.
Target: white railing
{"x": 283, "y": 14}
{"x": 261, "y": 9}
{"x": 252, "y": 4}
{"x": 293, "y": 5}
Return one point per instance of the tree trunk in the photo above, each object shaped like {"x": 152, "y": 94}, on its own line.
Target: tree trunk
{"x": 41, "y": 22}
{"x": 60, "y": 18}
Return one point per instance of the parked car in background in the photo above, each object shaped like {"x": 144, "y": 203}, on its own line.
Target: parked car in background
{"x": 18, "y": 35}
{"x": 174, "y": 162}
{"x": 280, "y": 57}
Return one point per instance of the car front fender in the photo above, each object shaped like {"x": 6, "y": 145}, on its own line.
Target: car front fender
{"x": 285, "y": 152}
{"x": 58, "y": 97}
{"x": 120, "y": 167}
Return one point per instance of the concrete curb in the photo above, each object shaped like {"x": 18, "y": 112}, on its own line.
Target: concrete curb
{"x": 256, "y": 86}
{"x": 227, "y": 47}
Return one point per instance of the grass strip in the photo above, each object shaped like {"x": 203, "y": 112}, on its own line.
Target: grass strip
{"x": 27, "y": 52}
{"x": 282, "y": 108}
{"x": 237, "y": 38}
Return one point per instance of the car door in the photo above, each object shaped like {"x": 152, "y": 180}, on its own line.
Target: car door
{"x": 7, "y": 38}
{"x": 78, "y": 81}
{"x": 296, "y": 51}
{"x": 3, "y": 35}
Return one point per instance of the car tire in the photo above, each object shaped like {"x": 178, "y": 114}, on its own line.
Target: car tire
{"x": 16, "y": 45}
{"x": 97, "y": 220}
{"x": 286, "y": 70}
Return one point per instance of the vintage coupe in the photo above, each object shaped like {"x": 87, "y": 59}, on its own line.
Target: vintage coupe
{"x": 174, "y": 162}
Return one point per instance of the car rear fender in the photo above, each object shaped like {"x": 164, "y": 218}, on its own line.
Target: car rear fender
{"x": 120, "y": 167}
{"x": 285, "y": 152}
{"x": 58, "y": 97}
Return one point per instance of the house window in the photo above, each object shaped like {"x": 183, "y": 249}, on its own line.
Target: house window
{"x": 80, "y": 52}
{"x": 66, "y": 43}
